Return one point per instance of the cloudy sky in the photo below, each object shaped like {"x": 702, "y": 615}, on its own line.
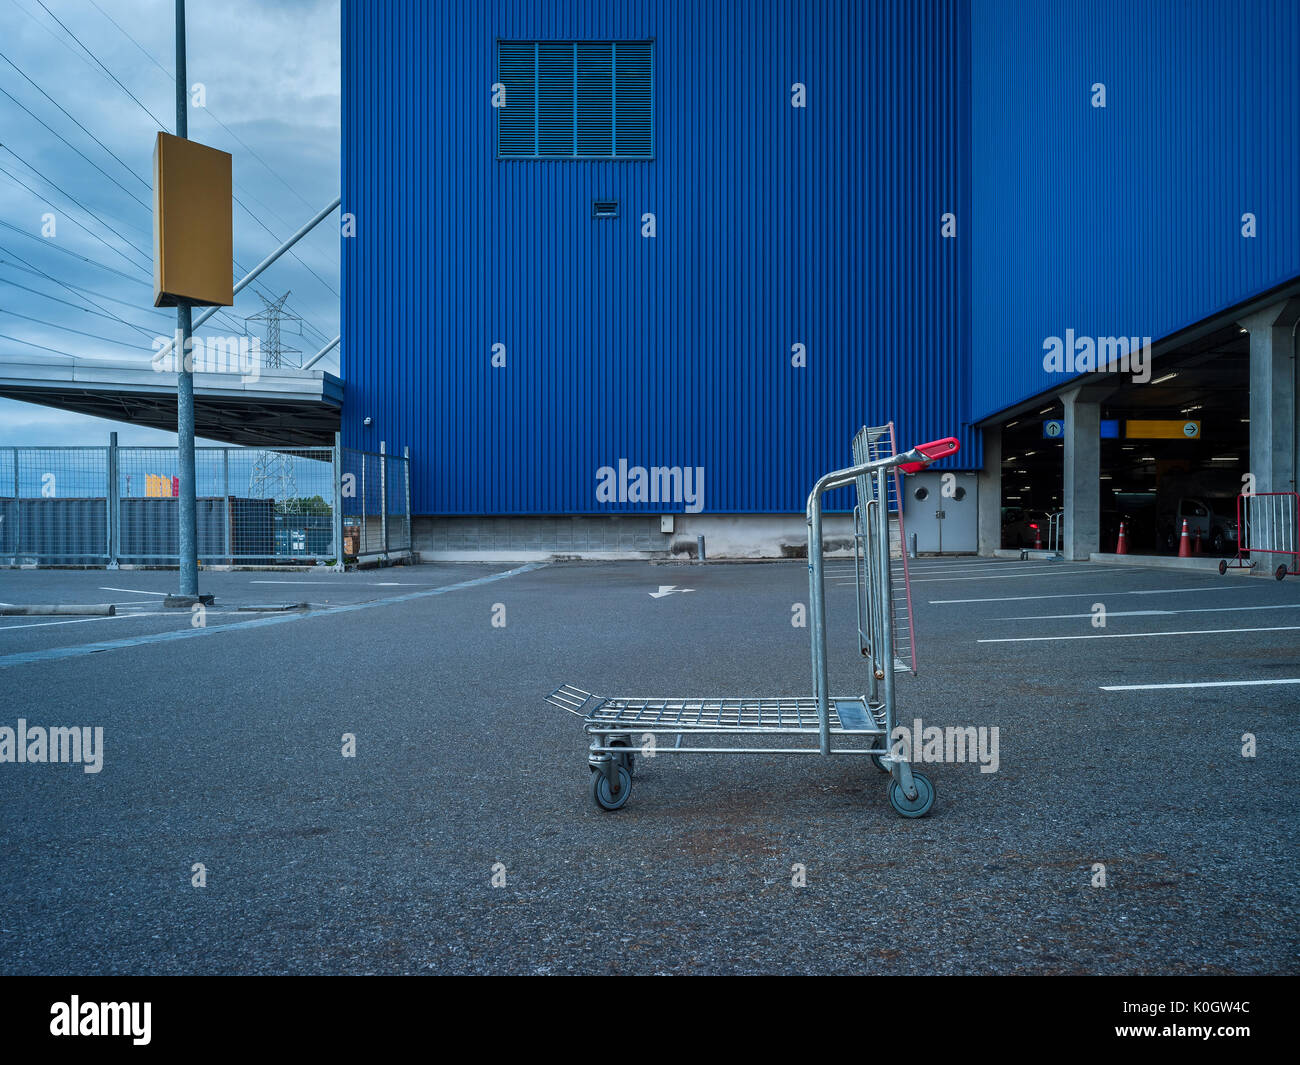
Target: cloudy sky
{"x": 270, "y": 74}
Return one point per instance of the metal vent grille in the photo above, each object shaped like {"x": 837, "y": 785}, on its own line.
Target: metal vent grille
{"x": 576, "y": 100}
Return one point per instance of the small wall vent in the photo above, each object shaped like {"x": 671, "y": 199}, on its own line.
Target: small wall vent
{"x": 604, "y": 208}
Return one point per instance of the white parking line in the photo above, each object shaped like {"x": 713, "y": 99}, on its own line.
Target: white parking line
{"x": 1155, "y": 613}
{"x": 1053, "y": 572}
{"x": 1078, "y": 595}
{"x": 1135, "y": 635}
{"x": 1199, "y": 684}
{"x": 133, "y": 591}
{"x": 82, "y": 621}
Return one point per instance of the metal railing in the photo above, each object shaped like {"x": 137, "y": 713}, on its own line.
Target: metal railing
{"x": 111, "y": 506}
{"x": 1268, "y": 523}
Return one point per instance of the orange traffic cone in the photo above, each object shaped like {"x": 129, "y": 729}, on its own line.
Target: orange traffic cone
{"x": 1196, "y": 545}
{"x": 1184, "y": 543}
{"x": 1038, "y": 536}
{"x": 1121, "y": 548}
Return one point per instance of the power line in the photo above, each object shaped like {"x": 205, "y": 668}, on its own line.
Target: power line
{"x": 48, "y": 277}
{"x": 125, "y": 166}
{"x": 76, "y": 149}
{"x": 232, "y": 133}
{"x": 68, "y": 303}
{"x": 278, "y": 241}
{"x": 87, "y": 132}
{"x": 72, "y": 219}
{"x": 30, "y": 344}
{"x": 211, "y": 114}
{"x": 82, "y": 288}
{"x": 69, "y": 251}
{"x": 66, "y": 328}
{"x": 105, "y": 69}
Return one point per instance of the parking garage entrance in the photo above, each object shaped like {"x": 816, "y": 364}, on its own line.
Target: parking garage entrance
{"x": 1173, "y": 449}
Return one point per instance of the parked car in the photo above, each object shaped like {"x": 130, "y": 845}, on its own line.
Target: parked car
{"x": 1215, "y": 519}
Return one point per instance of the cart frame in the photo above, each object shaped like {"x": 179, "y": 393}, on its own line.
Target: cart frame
{"x": 854, "y": 725}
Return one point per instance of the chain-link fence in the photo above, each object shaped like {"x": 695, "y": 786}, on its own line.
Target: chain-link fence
{"x": 376, "y": 491}
{"x": 105, "y": 506}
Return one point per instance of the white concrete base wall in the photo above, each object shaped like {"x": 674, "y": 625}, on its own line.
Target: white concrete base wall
{"x": 533, "y": 539}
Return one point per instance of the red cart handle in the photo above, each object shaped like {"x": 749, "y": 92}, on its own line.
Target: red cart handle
{"x": 931, "y": 452}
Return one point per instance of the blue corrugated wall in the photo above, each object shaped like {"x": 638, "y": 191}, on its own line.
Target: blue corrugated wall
{"x": 1125, "y": 220}
{"x": 775, "y": 225}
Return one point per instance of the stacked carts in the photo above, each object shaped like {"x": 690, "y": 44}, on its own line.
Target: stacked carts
{"x": 816, "y": 724}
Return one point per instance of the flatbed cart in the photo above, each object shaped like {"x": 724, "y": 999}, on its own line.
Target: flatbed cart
{"x": 859, "y": 725}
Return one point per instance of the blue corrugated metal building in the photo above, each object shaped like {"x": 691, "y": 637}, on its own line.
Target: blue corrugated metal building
{"x": 775, "y": 226}
{"x": 723, "y": 236}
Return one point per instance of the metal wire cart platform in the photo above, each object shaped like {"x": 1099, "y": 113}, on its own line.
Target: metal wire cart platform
{"x": 859, "y": 724}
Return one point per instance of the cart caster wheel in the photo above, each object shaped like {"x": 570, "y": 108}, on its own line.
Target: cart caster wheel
{"x": 628, "y": 761}
{"x": 918, "y": 807}
{"x": 875, "y": 760}
{"x": 1223, "y": 566}
{"x": 1280, "y": 572}
{"x": 600, "y": 790}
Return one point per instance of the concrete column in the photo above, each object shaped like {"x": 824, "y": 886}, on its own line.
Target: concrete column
{"x": 1273, "y": 446}
{"x": 989, "y": 488}
{"x": 1081, "y": 497}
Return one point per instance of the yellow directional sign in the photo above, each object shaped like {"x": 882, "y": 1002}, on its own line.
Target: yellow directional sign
{"x": 1162, "y": 429}
{"x": 191, "y": 224}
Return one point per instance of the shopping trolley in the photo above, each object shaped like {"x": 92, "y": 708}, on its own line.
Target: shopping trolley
{"x": 860, "y": 725}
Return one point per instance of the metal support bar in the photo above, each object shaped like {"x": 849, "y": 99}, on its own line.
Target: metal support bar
{"x": 383, "y": 496}
{"x": 252, "y": 274}
{"x": 188, "y": 547}
{"x": 320, "y": 354}
{"x": 227, "y": 505}
{"x": 114, "y": 505}
{"x": 338, "y": 503}
{"x": 406, "y": 477}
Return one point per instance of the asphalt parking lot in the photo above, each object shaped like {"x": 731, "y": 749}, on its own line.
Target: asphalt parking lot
{"x": 1119, "y": 747}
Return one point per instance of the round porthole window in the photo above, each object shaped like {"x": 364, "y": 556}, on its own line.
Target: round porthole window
{"x": 959, "y": 492}
{"x": 922, "y": 494}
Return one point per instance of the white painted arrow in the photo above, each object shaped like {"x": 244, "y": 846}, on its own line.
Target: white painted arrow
{"x": 668, "y": 589}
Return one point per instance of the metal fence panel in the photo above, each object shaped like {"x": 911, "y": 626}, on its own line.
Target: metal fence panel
{"x": 103, "y": 505}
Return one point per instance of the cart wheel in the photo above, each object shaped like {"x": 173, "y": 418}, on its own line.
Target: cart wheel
{"x": 628, "y": 761}
{"x": 1280, "y": 572}
{"x": 875, "y": 760}
{"x": 1223, "y": 566}
{"x": 600, "y": 789}
{"x": 918, "y": 807}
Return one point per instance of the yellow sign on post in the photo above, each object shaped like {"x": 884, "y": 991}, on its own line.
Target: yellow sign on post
{"x": 1163, "y": 429}
{"x": 192, "y": 242}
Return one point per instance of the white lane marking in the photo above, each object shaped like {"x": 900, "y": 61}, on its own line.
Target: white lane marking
{"x": 1155, "y": 613}
{"x": 1199, "y": 684}
{"x": 1078, "y": 595}
{"x": 321, "y": 583}
{"x": 133, "y": 591}
{"x": 1054, "y": 572}
{"x": 82, "y": 621}
{"x": 1136, "y": 635}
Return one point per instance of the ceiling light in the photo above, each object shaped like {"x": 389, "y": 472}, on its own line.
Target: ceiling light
{"x": 1167, "y": 377}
